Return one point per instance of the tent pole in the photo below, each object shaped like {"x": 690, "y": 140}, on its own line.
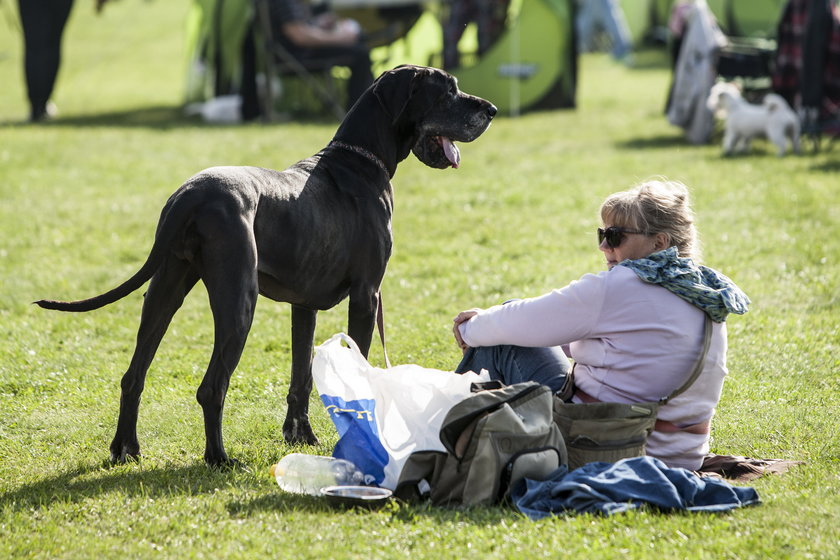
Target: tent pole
{"x": 514, "y": 60}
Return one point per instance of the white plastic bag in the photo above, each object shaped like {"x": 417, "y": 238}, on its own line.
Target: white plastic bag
{"x": 383, "y": 415}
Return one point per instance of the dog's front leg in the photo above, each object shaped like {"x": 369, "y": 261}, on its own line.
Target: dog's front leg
{"x": 361, "y": 317}
{"x": 296, "y": 428}
{"x": 729, "y": 140}
{"x": 746, "y": 143}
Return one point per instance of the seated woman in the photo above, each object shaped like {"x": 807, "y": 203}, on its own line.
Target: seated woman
{"x": 634, "y": 331}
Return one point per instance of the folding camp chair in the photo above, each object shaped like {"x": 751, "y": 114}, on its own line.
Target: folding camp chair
{"x": 280, "y": 62}
{"x": 748, "y": 61}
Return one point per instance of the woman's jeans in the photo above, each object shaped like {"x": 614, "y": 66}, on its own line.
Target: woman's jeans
{"x": 515, "y": 364}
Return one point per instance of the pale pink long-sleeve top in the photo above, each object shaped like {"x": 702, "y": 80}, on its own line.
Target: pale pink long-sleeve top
{"x": 631, "y": 342}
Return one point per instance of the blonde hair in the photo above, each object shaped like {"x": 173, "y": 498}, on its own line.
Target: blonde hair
{"x": 656, "y": 206}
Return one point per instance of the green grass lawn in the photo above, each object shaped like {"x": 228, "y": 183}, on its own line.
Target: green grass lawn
{"x": 79, "y": 201}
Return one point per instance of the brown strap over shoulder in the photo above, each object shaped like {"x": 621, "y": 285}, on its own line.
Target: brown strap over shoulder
{"x": 700, "y": 428}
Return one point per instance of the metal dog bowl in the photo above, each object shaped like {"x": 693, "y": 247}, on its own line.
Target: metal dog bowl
{"x": 369, "y": 497}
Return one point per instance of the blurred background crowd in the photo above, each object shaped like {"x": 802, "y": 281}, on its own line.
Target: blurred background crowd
{"x": 259, "y": 59}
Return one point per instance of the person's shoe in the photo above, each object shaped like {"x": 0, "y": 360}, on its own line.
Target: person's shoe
{"x": 45, "y": 113}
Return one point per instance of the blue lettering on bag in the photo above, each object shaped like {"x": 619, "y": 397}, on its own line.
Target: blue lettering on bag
{"x": 358, "y": 438}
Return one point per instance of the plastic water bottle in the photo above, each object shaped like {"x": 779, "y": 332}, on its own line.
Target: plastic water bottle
{"x": 307, "y": 474}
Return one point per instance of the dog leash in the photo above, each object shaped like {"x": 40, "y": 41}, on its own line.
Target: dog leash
{"x": 370, "y": 156}
{"x": 380, "y": 324}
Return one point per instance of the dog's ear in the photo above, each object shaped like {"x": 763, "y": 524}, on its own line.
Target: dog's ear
{"x": 435, "y": 84}
{"x": 395, "y": 88}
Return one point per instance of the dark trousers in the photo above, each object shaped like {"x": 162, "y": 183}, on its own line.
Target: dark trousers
{"x": 516, "y": 364}
{"x": 43, "y": 24}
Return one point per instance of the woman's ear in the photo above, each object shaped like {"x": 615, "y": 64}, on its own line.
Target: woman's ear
{"x": 661, "y": 241}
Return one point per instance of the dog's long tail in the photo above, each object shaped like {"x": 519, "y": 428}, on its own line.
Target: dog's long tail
{"x": 139, "y": 278}
{"x": 172, "y": 217}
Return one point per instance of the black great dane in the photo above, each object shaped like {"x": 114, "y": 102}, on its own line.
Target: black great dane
{"x": 310, "y": 235}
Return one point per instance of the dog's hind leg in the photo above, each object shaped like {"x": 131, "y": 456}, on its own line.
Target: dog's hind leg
{"x": 167, "y": 290}
{"x": 777, "y": 136}
{"x": 793, "y": 131}
{"x": 229, "y": 270}
{"x": 296, "y": 428}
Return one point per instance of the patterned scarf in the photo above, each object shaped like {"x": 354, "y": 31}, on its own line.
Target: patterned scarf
{"x": 700, "y": 286}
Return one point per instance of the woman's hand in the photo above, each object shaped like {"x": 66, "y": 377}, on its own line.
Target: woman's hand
{"x": 462, "y": 317}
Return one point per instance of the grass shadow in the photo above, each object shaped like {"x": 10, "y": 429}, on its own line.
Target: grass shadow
{"x": 399, "y": 512}
{"x": 654, "y": 142}
{"x": 90, "y": 481}
{"x": 164, "y": 117}
{"x": 83, "y": 483}
{"x": 279, "y": 502}
{"x": 827, "y": 166}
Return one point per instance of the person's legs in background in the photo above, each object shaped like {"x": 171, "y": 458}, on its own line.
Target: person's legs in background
{"x": 250, "y": 109}
{"x": 615, "y": 24}
{"x": 43, "y": 23}
{"x": 594, "y": 16}
{"x": 585, "y": 24}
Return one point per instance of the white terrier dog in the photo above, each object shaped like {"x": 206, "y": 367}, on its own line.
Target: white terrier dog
{"x": 744, "y": 121}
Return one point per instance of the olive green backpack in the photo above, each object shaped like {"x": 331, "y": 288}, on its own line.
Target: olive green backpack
{"x": 493, "y": 439}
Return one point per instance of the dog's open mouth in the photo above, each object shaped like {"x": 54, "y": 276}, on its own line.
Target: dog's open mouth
{"x": 439, "y": 152}
{"x": 450, "y": 150}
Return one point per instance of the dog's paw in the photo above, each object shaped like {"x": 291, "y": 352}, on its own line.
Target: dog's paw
{"x": 226, "y": 465}
{"x": 124, "y": 456}
{"x": 296, "y": 431}
{"x": 124, "y": 450}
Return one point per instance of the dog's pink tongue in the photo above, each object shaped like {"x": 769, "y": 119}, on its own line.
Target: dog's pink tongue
{"x": 453, "y": 154}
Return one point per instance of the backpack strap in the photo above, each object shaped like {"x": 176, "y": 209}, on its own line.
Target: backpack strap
{"x": 698, "y": 366}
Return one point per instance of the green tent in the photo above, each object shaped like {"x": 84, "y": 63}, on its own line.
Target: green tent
{"x": 215, "y": 32}
{"x": 532, "y": 64}
{"x": 748, "y": 18}
{"x": 755, "y": 18}
{"x": 637, "y": 15}
{"x": 740, "y": 18}
{"x": 646, "y": 18}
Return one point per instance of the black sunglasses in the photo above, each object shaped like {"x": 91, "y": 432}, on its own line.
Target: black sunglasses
{"x": 615, "y": 235}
